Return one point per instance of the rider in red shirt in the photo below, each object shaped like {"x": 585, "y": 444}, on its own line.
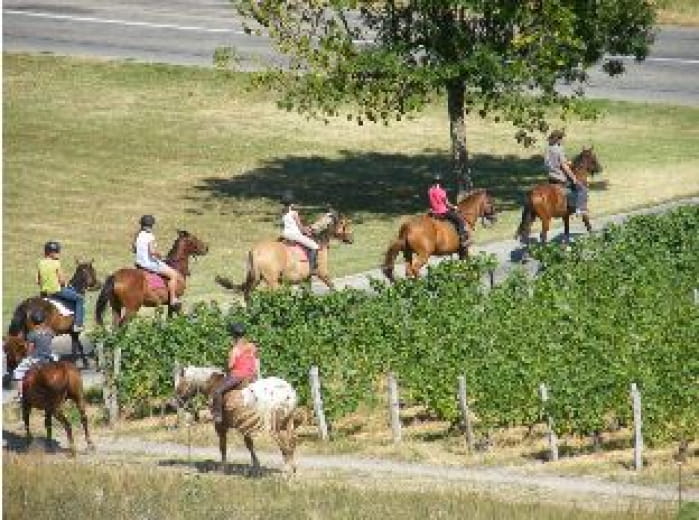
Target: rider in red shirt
{"x": 441, "y": 208}
{"x": 243, "y": 365}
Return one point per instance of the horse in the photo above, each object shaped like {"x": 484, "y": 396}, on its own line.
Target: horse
{"x": 422, "y": 236}
{"x": 275, "y": 261}
{"x": 130, "y": 288}
{"x": 547, "y": 201}
{"x": 57, "y": 319}
{"x": 266, "y": 405}
{"x": 47, "y": 386}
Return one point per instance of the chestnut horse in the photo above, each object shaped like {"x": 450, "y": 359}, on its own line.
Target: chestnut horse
{"x": 547, "y": 201}
{"x": 84, "y": 278}
{"x": 274, "y": 262}
{"x": 423, "y": 236}
{"x": 127, "y": 290}
{"x": 46, "y": 386}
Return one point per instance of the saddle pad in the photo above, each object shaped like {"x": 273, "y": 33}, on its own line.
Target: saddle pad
{"x": 61, "y": 307}
{"x": 292, "y": 246}
{"x": 155, "y": 281}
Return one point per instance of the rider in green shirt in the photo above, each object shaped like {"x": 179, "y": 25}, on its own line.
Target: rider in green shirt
{"x": 52, "y": 282}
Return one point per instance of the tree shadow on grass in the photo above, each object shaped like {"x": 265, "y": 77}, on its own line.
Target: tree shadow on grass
{"x": 212, "y": 466}
{"x": 18, "y": 443}
{"x": 383, "y": 184}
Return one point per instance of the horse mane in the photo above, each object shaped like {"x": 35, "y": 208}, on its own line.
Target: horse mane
{"x": 323, "y": 227}
{"x": 170, "y": 257}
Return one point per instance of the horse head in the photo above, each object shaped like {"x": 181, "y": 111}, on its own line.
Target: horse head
{"x": 190, "y": 381}
{"x": 478, "y": 204}
{"x": 85, "y": 277}
{"x": 15, "y": 348}
{"x": 586, "y": 162}
{"x": 185, "y": 245}
{"x": 333, "y": 225}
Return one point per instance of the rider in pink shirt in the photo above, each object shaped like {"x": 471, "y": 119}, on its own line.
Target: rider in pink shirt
{"x": 441, "y": 208}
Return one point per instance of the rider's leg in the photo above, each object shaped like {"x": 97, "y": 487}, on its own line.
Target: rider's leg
{"x": 460, "y": 227}
{"x": 228, "y": 383}
{"x": 581, "y": 201}
{"x": 78, "y": 300}
{"x": 172, "y": 279}
{"x": 312, "y": 248}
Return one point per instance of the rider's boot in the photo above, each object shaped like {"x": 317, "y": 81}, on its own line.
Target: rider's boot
{"x": 313, "y": 262}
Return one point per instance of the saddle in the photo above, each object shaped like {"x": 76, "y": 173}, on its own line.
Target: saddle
{"x": 292, "y": 246}
{"x": 569, "y": 192}
{"x": 64, "y": 307}
{"x": 154, "y": 280}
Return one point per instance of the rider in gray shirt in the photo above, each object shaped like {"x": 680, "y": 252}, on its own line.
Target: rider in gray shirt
{"x": 559, "y": 169}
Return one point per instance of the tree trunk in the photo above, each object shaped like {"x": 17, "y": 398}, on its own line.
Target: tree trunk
{"x": 457, "y": 133}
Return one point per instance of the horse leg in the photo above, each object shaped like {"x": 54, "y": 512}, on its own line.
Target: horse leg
{"x": 545, "y": 223}
{"x": 58, "y": 413}
{"x": 566, "y": 228}
{"x": 222, "y": 431}
{"x": 586, "y": 221}
{"x": 413, "y": 268}
{"x": 79, "y": 400}
{"x": 325, "y": 278}
{"x": 286, "y": 438}
{"x": 77, "y": 349}
{"x": 26, "y": 411}
{"x": 253, "y": 456}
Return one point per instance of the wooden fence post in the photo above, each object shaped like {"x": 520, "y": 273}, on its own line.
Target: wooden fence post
{"x": 465, "y": 418}
{"x": 318, "y": 402}
{"x": 114, "y": 397}
{"x": 99, "y": 355}
{"x": 553, "y": 438}
{"x": 696, "y": 296}
{"x": 637, "y": 424}
{"x": 394, "y": 406}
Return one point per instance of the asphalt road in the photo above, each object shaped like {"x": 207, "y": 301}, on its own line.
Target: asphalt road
{"x": 187, "y": 32}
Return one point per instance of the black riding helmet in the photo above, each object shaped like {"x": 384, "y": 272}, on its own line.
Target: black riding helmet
{"x": 52, "y": 247}
{"x": 237, "y": 329}
{"x": 287, "y": 198}
{"x": 147, "y": 221}
{"x": 37, "y": 316}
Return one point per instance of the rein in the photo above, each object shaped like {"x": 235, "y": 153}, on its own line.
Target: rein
{"x": 79, "y": 281}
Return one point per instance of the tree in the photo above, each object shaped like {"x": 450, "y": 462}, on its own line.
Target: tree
{"x": 502, "y": 59}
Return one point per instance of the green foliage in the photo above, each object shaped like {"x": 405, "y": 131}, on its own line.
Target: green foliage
{"x": 380, "y": 61}
{"x": 613, "y": 309}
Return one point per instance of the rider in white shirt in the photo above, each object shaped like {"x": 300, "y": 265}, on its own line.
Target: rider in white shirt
{"x": 294, "y": 230}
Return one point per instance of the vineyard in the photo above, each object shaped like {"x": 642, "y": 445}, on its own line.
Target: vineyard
{"x": 615, "y": 308}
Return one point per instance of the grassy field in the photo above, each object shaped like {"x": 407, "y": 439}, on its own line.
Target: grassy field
{"x": 63, "y": 489}
{"x": 89, "y": 146}
{"x": 680, "y": 12}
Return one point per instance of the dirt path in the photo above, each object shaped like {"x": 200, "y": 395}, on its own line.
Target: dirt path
{"x": 503, "y": 481}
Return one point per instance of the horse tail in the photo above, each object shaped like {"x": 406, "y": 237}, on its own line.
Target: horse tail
{"x": 18, "y": 322}
{"x": 251, "y": 276}
{"x": 105, "y": 296}
{"x": 396, "y": 247}
{"x": 528, "y": 216}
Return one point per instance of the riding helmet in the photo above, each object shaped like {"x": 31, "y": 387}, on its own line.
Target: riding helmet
{"x": 147, "y": 221}
{"x": 556, "y": 136}
{"x": 287, "y": 198}
{"x": 37, "y": 316}
{"x": 52, "y": 247}
{"x": 237, "y": 329}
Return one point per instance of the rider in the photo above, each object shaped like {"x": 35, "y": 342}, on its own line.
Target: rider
{"x": 243, "y": 365}
{"x": 38, "y": 346}
{"x": 441, "y": 208}
{"x": 52, "y": 282}
{"x": 148, "y": 258}
{"x": 294, "y": 230}
{"x": 560, "y": 170}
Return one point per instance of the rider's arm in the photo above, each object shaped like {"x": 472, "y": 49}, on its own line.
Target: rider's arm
{"x": 565, "y": 166}
{"x": 304, "y": 229}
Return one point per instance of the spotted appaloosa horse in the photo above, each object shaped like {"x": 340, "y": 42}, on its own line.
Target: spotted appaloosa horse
{"x": 266, "y": 405}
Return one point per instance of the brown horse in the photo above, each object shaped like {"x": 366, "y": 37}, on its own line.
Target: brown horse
{"x": 127, "y": 290}
{"x": 275, "y": 262}
{"x": 47, "y": 386}
{"x": 547, "y": 201}
{"x": 423, "y": 236}
{"x": 83, "y": 279}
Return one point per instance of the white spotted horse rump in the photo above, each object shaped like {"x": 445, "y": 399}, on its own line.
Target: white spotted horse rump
{"x": 265, "y": 405}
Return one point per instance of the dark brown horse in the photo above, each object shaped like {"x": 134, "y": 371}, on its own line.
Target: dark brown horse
{"x": 84, "y": 278}
{"x": 275, "y": 262}
{"x": 423, "y": 236}
{"x": 547, "y": 201}
{"x": 47, "y": 386}
{"x": 127, "y": 290}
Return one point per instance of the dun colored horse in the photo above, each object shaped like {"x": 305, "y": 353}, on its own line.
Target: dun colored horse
{"x": 84, "y": 278}
{"x": 423, "y": 236}
{"x": 275, "y": 262}
{"x": 547, "y": 201}
{"x": 267, "y": 405}
{"x": 128, "y": 289}
{"x": 46, "y": 386}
